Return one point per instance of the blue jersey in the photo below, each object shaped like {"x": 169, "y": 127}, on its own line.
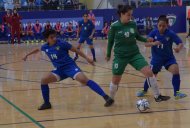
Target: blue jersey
{"x": 86, "y": 28}
{"x": 165, "y": 50}
{"x": 58, "y": 53}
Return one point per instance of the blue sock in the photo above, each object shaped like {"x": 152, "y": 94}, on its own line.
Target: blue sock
{"x": 95, "y": 87}
{"x": 45, "y": 93}
{"x": 93, "y": 53}
{"x": 176, "y": 83}
{"x": 146, "y": 86}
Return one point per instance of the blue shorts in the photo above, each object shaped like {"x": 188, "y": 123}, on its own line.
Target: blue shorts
{"x": 69, "y": 71}
{"x": 157, "y": 65}
{"x": 88, "y": 40}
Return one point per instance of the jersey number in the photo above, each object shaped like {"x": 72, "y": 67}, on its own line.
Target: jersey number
{"x": 161, "y": 46}
{"x": 116, "y": 66}
{"x": 53, "y": 56}
{"x": 126, "y": 34}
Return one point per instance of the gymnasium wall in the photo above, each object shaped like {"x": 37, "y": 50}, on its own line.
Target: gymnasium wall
{"x": 177, "y": 16}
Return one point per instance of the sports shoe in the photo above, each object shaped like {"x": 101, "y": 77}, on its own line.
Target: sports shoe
{"x": 76, "y": 58}
{"x": 161, "y": 98}
{"x": 45, "y": 106}
{"x": 141, "y": 93}
{"x": 109, "y": 101}
{"x": 180, "y": 95}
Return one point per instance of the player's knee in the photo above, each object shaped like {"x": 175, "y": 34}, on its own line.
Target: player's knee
{"x": 175, "y": 72}
{"x": 149, "y": 73}
{"x": 44, "y": 81}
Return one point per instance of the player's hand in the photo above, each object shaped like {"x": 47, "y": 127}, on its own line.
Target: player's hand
{"x": 150, "y": 40}
{"x": 90, "y": 61}
{"x": 156, "y": 43}
{"x": 91, "y": 36}
{"x": 107, "y": 59}
{"x": 177, "y": 50}
{"x": 25, "y": 58}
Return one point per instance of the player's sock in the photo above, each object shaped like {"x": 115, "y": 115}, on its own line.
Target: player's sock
{"x": 152, "y": 82}
{"x": 95, "y": 87}
{"x": 93, "y": 53}
{"x": 176, "y": 83}
{"x": 45, "y": 93}
{"x": 113, "y": 90}
{"x": 146, "y": 86}
{"x": 76, "y": 55}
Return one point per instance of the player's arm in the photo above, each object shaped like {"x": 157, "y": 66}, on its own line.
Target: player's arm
{"x": 93, "y": 31}
{"x": 80, "y": 53}
{"x": 156, "y": 43}
{"x": 178, "y": 42}
{"x": 111, "y": 36}
{"x": 30, "y": 53}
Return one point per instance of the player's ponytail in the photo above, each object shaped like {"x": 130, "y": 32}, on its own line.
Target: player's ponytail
{"x": 122, "y": 9}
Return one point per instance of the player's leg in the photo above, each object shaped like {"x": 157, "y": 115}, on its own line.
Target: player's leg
{"x": 73, "y": 71}
{"x": 12, "y": 35}
{"x": 81, "y": 41}
{"x": 18, "y": 35}
{"x": 48, "y": 78}
{"x": 80, "y": 77}
{"x": 156, "y": 68}
{"x": 91, "y": 46}
{"x": 174, "y": 69}
{"x": 140, "y": 64}
{"x": 118, "y": 68}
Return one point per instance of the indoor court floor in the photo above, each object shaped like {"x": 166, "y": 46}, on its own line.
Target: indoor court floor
{"x": 76, "y": 106}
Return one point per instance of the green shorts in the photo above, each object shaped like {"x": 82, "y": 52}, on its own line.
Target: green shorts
{"x": 119, "y": 64}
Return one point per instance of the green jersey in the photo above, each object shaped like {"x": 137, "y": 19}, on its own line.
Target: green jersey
{"x": 123, "y": 37}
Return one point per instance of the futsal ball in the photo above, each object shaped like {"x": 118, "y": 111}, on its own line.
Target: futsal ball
{"x": 143, "y": 105}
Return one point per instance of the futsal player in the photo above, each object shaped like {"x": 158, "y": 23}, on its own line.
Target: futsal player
{"x": 123, "y": 35}
{"x": 58, "y": 53}
{"x": 162, "y": 56}
{"x": 86, "y": 33}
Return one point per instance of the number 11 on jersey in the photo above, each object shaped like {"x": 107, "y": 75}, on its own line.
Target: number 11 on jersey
{"x": 161, "y": 46}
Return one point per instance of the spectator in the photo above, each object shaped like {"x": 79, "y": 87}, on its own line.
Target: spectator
{"x": 148, "y": 25}
{"x": 8, "y": 4}
{"x": 31, "y": 4}
{"x": 48, "y": 26}
{"x": 29, "y": 31}
{"x": 46, "y": 4}
{"x": 7, "y": 21}
{"x": 54, "y": 4}
{"x": 105, "y": 30}
{"x": 58, "y": 28}
{"x": 69, "y": 31}
{"x": 22, "y": 31}
{"x": 15, "y": 26}
{"x": 92, "y": 17}
{"x": 2, "y": 30}
{"x": 37, "y": 30}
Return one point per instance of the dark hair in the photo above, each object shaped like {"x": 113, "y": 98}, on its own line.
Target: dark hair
{"x": 123, "y": 9}
{"x": 163, "y": 18}
{"x": 85, "y": 13}
{"x": 47, "y": 33}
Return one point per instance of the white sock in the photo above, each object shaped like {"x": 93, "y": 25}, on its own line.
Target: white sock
{"x": 113, "y": 90}
{"x": 152, "y": 82}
